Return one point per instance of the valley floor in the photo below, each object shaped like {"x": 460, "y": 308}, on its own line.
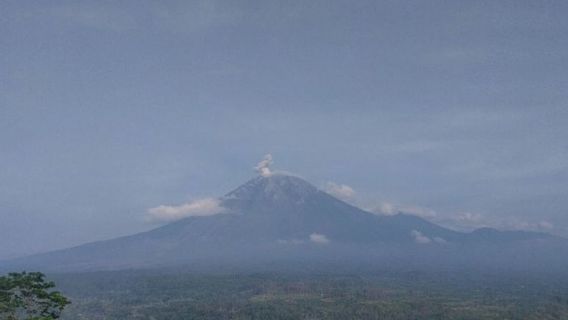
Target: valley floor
{"x": 388, "y": 295}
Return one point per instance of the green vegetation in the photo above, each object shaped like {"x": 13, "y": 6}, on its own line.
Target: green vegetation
{"x": 28, "y": 296}
{"x": 405, "y": 295}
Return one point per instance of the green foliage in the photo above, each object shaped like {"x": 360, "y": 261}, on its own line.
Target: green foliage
{"x": 29, "y": 296}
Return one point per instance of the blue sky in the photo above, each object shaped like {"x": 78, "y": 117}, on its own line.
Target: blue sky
{"x": 456, "y": 110}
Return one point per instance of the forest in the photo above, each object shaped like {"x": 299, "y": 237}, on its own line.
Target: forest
{"x": 179, "y": 294}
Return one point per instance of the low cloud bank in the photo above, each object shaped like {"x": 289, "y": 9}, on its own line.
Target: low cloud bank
{"x": 389, "y": 209}
{"x": 348, "y": 194}
{"x": 197, "y": 208}
{"x": 340, "y": 191}
{"x": 419, "y": 237}
{"x": 319, "y": 238}
{"x": 468, "y": 221}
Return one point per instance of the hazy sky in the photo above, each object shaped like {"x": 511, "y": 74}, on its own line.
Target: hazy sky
{"x": 457, "y": 110}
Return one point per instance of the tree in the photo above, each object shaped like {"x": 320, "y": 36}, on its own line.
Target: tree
{"x": 29, "y": 296}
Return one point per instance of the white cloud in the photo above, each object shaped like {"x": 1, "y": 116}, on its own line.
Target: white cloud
{"x": 197, "y": 208}
{"x": 419, "y": 237}
{"x": 389, "y": 209}
{"x": 319, "y": 238}
{"x": 466, "y": 221}
{"x": 385, "y": 208}
{"x": 341, "y": 191}
{"x": 469, "y": 217}
{"x": 469, "y": 220}
{"x": 263, "y": 167}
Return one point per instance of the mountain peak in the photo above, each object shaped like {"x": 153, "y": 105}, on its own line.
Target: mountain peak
{"x": 269, "y": 190}
{"x": 274, "y": 185}
{"x": 279, "y": 217}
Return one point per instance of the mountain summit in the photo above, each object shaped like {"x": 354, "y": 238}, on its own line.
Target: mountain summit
{"x": 279, "y": 218}
{"x": 269, "y": 192}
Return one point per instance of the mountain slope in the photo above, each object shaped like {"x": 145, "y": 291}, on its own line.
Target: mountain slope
{"x": 268, "y": 219}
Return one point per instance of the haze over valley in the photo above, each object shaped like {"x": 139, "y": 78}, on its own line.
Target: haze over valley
{"x": 244, "y": 159}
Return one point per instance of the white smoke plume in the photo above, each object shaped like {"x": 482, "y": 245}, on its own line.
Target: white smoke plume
{"x": 263, "y": 167}
{"x": 197, "y": 208}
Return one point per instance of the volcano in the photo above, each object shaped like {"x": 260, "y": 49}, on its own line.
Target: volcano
{"x": 280, "y": 220}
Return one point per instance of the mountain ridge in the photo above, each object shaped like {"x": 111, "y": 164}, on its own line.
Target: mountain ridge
{"x": 272, "y": 218}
